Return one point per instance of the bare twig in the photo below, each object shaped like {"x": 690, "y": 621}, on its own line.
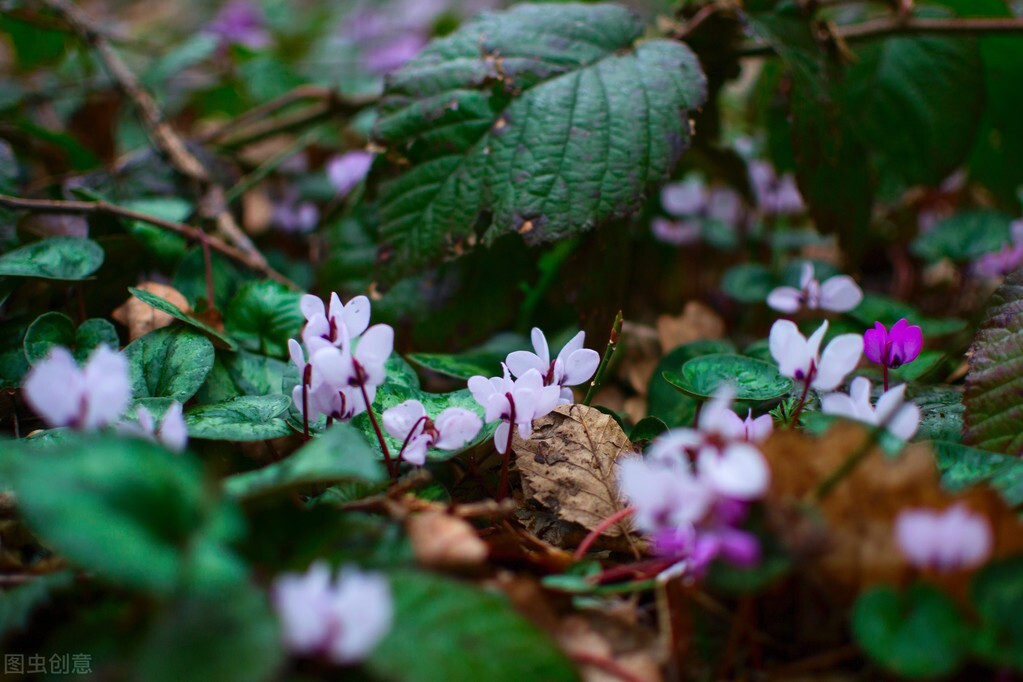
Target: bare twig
{"x": 187, "y": 231}
{"x": 162, "y": 135}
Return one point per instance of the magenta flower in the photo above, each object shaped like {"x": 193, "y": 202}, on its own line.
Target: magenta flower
{"x": 892, "y": 348}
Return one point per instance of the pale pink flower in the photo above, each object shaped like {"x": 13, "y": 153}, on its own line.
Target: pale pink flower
{"x": 838, "y": 294}
{"x": 574, "y": 364}
{"x": 517, "y": 402}
{"x": 172, "y": 433}
{"x": 89, "y": 398}
{"x": 800, "y": 358}
{"x": 341, "y": 619}
{"x": 945, "y": 541}
{"x": 409, "y": 423}
{"x": 347, "y": 170}
{"x": 899, "y": 417}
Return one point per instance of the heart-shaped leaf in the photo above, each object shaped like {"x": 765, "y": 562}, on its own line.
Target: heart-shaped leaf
{"x": 263, "y": 316}
{"x": 753, "y": 380}
{"x": 56, "y": 329}
{"x": 64, "y": 258}
{"x": 171, "y": 362}
{"x": 483, "y": 360}
{"x": 240, "y": 419}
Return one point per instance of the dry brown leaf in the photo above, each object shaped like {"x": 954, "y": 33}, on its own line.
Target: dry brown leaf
{"x": 257, "y": 212}
{"x": 141, "y": 318}
{"x": 568, "y": 465}
{"x": 602, "y": 638}
{"x": 444, "y": 542}
{"x": 696, "y": 322}
{"x": 856, "y": 546}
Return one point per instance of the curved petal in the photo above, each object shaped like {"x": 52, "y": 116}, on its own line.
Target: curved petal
{"x": 567, "y": 397}
{"x": 545, "y": 401}
{"x": 575, "y": 343}
{"x": 457, "y": 426}
{"x": 670, "y": 447}
{"x": 758, "y": 430}
{"x": 402, "y": 418}
{"x": 375, "y": 347}
{"x": 813, "y": 344}
{"x": 785, "y": 299}
{"x": 890, "y": 402}
{"x": 297, "y": 356}
{"x": 859, "y": 391}
{"x": 580, "y": 366}
{"x": 905, "y": 422}
{"x": 840, "y": 405}
{"x": 311, "y": 305}
{"x": 521, "y": 361}
{"x": 739, "y": 472}
{"x": 806, "y": 275}
{"x": 501, "y": 437}
{"x": 840, "y": 294}
{"x": 787, "y": 346}
{"x": 839, "y": 358}
{"x": 540, "y": 346}
{"x": 874, "y": 341}
{"x": 415, "y": 451}
{"x": 907, "y": 342}
{"x": 481, "y": 388}
{"x": 356, "y": 315}
{"x": 107, "y": 387}
{"x": 173, "y": 433}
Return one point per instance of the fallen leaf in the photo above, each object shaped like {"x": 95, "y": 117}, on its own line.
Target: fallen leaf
{"x": 141, "y": 318}
{"x": 568, "y": 466}
{"x": 597, "y": 638}
{"x": 444, "y": 542}
{"x": 696, "y": 322}
{"x": 257, "y": 212}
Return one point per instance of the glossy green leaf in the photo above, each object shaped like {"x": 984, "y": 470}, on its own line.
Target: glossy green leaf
{"x": 918, "y": 634}
{"x": 605, "y": 118}
{"x": 483, "y": 360}
{"x": 753, "y": 380}
{"x": 663, "y": 400}
{"x": 340, "y": 453}
{"x": 63, "y": 258}
{"x": 57, "y": 329}
{"x": 175, "y": 312}
{"x": 240, "y": 419}
{"x": 245, "y": 373}
{"x": 263, "y": 316}
{"x": 941, "y": 413}
{"x": 994, "y": 382}
{"x": 171, "y": 362}
{"x": 962, "y": 466}
{"x": 124, "y": 508}
{"x": 446, "y": 631}
{"x": 964, "y": 236}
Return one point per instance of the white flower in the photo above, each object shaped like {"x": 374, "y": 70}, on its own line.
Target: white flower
{"x": 664, "y": 494}
{"x": 946, "y": 541}
{"x": 172, "y": 433}
{"x": 839, "y": 294}
{"x": 89, "y": 398}
{"x": 800, "y": 358}
{"x": 335, "y": 325}
{"x": 341, "y": 619}
{"x": 573, "y": 366}
{"x": 409, "y": 423}
{"x": 900, "y": 418}
{"x": 517, "y": 401}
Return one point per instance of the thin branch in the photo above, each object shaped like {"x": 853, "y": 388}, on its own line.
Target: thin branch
{"x": 162, "y": 135}
{"x": 896, "y": 25}
{"x": 187, "y": 231}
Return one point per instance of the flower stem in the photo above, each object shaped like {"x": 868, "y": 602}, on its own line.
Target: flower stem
{"x": 802, "y": 402}
{"x": 306, "y": 378}
{"x": 588, "y": 541}
{"x": 886, "y": 377}
{"x": 612, "y": 346}
{"x": 502, "y": 487}
{"x": 361, "y": 379}
{"x": 408, "y": 438}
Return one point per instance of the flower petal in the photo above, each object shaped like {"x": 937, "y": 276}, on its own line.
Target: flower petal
{"x": 356, "y": 315}
{"x": 785, "y": 299}
{"x": 739, "y": 472}
{"x": 311, "y": 305}
{"x": 840, "y": 294}
{"x": 580, "y": 366}
{"x": 521, "y": 361}
{"x": 402, "y": 418}
{"x": 839, "y": 358}
{"x": 541, "y": 347}
{"x": 874, "y": 341}
{"x": 457, "y": 426}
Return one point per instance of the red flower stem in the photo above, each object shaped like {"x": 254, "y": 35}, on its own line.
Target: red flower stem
{"x": 361, "y": 380}
{"x": 405, "y": 443}
{"x": 306, "y": 378}
{"x": 608, "y": 665}
{"x": 588, "y": 541}
{"x": 885, "y": 376}
{"x": 802, "y": 402}
{"x": 502, "y": 487}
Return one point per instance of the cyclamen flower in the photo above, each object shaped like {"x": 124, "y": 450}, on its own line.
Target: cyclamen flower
{"x": 330, "y": 326}
{"x": 240, "y": 22}
{"x": 899, "y": 417}
{"x": 517, "y": 402}
{"x": 676, "y": 232}
{"x": 893, "y": 348}
{"x": 800, "y": 358}
{"x": 839, "y": 294}
{"x": 1008, "y": 259}
{"x": 691, "y": 512}
{"x": 89, "y": 398}
{"x": 574, "y": 364}
{"x": 347, "y": 170}
{"x": 342, "y": 619}
{"x": 409, "y": 423}
{"x": 945, "y": 541}
{"x": 172, "y": 433}
{"x": 775, "y": 196}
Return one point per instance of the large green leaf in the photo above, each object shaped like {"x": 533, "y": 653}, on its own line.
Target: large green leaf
{"x": 664, "y": 400}
{"x": 485, "y": 359}
{"x": 962, "y": 466}
{"x": 245, "y": 373}
{"x": 124, "y": 508}
{"x": 166, "y": 306}
{"x": 753, "y": 380}
{"x": 228, "y": 635}
{"x": 263, "y": 316}
{"x": 340, "y": 453}
{"x": 544, "y": 119}
{"x": 243, "y": 418}
{"x": 964, "y": 236}
{"x": 66, "y": 258}
{"x": 448, "y": 632}
{"x": 994, "y": 383}
{"x": 919, "y": 634}
{"x": 56, "y": 329}
{"x": 171, "y": 362}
